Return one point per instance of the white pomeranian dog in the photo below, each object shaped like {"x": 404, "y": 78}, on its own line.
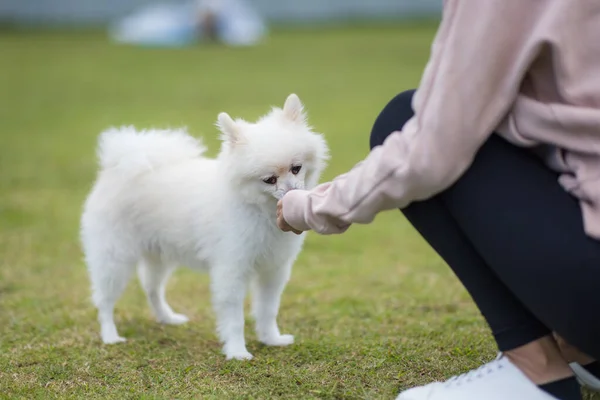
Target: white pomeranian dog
{"x": 158, "y": 203}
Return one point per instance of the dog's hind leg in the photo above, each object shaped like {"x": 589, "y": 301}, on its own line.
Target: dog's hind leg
{"x": 109, "y": 277}
{"x": 153, "y": 277}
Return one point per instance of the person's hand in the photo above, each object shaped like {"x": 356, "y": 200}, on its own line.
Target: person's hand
{"x": 281, "y": 222}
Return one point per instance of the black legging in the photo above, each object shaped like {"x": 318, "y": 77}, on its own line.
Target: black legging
{"x": 515, "y": 239}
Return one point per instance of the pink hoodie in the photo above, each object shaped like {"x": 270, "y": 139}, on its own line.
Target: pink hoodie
{"x": 528, "y": 69}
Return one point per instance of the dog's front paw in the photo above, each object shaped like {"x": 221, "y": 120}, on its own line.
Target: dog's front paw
{"x": 239, "y": 355}
{"x": 281, "y": 340}
{"x": 173, "y": 319}
{"x": 113, "y": 339}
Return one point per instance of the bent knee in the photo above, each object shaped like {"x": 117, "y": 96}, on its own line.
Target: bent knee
{"x": 392, "y": 118}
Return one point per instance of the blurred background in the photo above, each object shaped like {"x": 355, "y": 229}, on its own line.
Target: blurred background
{"x": 307, "y": 12}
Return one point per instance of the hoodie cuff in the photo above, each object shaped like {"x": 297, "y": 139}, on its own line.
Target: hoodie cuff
{"x": 294, "y": 206}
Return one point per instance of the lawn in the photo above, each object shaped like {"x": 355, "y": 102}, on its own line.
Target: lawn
{"x": 373, "y": 311}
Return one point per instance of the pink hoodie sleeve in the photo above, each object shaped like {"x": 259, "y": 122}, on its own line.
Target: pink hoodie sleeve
{"x": 479, "y": 58}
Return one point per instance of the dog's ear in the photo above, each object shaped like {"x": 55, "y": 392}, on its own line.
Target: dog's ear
{"x": 293, "y": 109}
{"x": 230, "y": 131}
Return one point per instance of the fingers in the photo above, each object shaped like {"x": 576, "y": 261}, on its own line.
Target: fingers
{"x": 282, "y": 223}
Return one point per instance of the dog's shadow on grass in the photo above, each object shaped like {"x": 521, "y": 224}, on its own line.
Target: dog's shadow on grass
{"x": 146, "y": 333}
{"x": 193, "y": 340}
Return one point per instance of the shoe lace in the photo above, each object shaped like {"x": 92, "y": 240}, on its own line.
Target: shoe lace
{"x": 478, "y": 373}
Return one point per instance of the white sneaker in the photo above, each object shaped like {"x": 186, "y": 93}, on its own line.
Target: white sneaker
{"x": 497, "y": 380}
{"x": 585, "y": 378}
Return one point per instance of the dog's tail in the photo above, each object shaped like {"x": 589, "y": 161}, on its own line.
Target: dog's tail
{"x": 130, "y": 152}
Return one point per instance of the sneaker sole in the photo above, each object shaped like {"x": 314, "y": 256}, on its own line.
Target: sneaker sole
{"x": 585, "y": 378}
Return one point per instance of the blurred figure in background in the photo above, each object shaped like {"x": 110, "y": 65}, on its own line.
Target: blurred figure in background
{"x": 231, "y": 22}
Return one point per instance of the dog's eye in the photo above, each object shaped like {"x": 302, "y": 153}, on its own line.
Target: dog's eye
{"x": 296, "y": 169}
{"x": 271, "y": 181}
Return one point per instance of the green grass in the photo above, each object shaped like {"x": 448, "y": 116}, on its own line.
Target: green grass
{"x": 374, "y": 311}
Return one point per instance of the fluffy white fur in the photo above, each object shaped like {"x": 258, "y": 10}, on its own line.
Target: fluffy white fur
{"x": 158, "y": 203}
